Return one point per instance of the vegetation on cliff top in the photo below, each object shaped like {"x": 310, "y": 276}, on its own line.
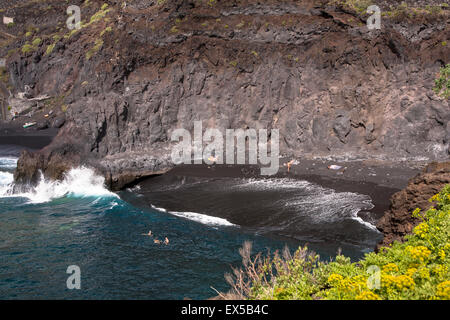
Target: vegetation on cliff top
{"x": 415, "y": 269}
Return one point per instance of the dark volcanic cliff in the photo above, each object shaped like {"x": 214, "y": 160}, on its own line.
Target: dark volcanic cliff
{"x": 139, "y": 69}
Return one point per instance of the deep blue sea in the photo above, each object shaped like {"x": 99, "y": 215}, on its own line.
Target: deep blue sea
{"x": 79, "y": 222}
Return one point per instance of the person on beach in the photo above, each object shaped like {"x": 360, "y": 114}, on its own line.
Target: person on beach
{"x": 289, "y": 164}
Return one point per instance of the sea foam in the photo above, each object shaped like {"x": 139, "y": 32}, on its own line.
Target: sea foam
{"x": 198, "y": 217}
{"x": 78, "y": 182}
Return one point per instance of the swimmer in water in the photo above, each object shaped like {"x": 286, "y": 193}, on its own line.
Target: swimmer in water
{"x": 166, "y": 241}
{"x": 148, "y": 234}
{"x": 157, "y": 241}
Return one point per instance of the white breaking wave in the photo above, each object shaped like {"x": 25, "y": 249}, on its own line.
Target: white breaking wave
{"x": 78, "y": 182}
{"x": 159, "y": 209}
{"x": 326, "y": 203}
{"x": 367, "y": 224}
{"x": 6, "y": 178}
{"x": 198, "y": 217}
{"x": 274, "y": 183}
{"x": 8, "y": 163}
{"x": 329, "y": 206}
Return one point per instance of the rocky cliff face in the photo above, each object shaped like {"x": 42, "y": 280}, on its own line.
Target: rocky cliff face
{"x": 398, "y": 221}
{"x": 137, "y": 70}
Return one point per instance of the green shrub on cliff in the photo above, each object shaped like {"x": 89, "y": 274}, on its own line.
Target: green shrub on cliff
{"x": 98, "y": 45}
{"x": 50, "y": 48}
{"x": 442, "y": 83}
{"x": 27, "y": 48}
{"x": 36, "y": 42}
{"x": 415, "y": 269}
{"x": 358, "y": 6}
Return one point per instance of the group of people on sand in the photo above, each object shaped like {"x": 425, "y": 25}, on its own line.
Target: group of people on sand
{"x": 156, "y": 241}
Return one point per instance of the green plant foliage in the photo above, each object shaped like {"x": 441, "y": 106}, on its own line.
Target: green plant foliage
{"x": 50, "y": 49}
{"x": 27, "y": 48}
{"x": 36, "y": 42}
{"x": 99, "y": 15}
{"x": 107, "y": 29}
{"x": 355, "y": 5}
{"x": 98, "y": 45}
{"x": 442, "y": 83}
{"x": 415, "y": 269}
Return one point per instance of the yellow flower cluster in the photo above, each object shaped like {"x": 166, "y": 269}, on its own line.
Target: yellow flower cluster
{"x": 421, "y": 229}
{"x": 416, "y": 213}
{"x": 410, "y": 272}
{"x": 398, "y": 282}
{"x": 422, "y": 273}
{"x": 419, "y": 252}
{"x": 390, "y": 267}
{"x": 335, "y": 279}
{"x": 367, "y": 295}
{"x": 350, "y": 285}
{"x": 443, "y": 290}
{"x": 436, "y": 197}
{"x": 404, "y": 282}
{"x": 345, "y": 287}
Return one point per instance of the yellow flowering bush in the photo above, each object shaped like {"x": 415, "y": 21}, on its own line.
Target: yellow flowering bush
{"x": 421, "y": 230}
{"x": 390, "y": 267}
{"x": 443, "y": 290}
{"x": 367, "y": 295}
{"x": 418, "y": 253}
{"x": 418, "y": 268}
{"x": 335, "y": 278}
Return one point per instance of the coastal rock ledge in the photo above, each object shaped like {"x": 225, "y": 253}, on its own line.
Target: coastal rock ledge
{"x": 398, "y": 221}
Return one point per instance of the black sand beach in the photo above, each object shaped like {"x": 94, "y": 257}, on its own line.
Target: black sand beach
{"x": 12, "y": 134}
{"x": 242, "y": 196}
{"x": 378, "y": 179}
